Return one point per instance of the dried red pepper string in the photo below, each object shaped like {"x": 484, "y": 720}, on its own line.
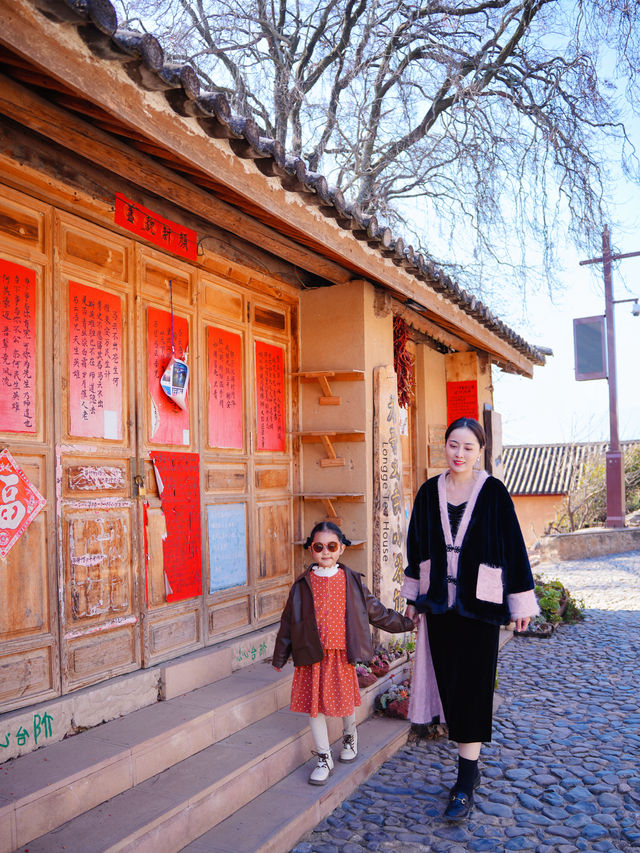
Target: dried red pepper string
{"x": 403, "y": 363}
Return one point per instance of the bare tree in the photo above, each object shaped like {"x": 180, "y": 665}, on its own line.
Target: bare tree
{"x": 492, "y": 113}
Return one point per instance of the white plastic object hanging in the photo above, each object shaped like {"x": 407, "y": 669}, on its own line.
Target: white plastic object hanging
{"x": 175, "y": 380}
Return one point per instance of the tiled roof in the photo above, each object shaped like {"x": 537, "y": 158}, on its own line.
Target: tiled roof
{"x": 97, "y": 22}
{"x": 549, "y": 469}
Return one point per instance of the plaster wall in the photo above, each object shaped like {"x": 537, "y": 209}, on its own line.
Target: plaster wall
{"x": 535, "y": 513}
{"x": 342, "y": 329}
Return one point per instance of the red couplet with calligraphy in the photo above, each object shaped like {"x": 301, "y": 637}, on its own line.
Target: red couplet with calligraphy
{"x": 270, "y": 411}
{"x": 155, "y": 228}
{"x": 17, "y": 348}
{"x": 180, "y": 496}
{"x": 225, "y": 388}
{"x": 95, "y": 362}
{"x": 169, "y": 423}
{"x": 462, "y": 400}
{"x": 20, "y": 502}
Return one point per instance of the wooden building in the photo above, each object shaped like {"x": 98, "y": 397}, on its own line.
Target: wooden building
{"x": 140, "y": 220}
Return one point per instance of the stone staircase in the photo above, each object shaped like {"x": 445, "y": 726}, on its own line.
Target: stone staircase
{"x": 219, "y": 768}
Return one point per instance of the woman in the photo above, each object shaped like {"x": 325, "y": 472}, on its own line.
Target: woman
{"x": 468, "y": 573}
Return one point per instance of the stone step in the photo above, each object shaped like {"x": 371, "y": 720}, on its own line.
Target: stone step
{"x": 45, "y": 789}
{"x": 163, "y": 776}
{"x": 277, "y": 819}
{"x": 165, "y": 813}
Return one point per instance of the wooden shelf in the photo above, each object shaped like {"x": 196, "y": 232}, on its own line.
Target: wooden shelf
{"x": 328, "y": 501}
{"x": 322, "y": 377}
{"x": 328, "y": 437}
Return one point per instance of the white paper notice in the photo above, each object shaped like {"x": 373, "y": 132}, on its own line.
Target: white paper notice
{"x": 111, "y": 425}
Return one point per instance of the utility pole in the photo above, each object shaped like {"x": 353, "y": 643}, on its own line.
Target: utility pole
{"x": 614, "y": 460}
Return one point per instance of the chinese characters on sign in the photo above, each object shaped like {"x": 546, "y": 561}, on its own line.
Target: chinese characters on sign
{"x": 17, "y": 348}
{"x": 155, "y": 228}
{"x": 180, "y": 495}
{"x": 20, "y": 502}
{"x": 270, "y": 413}
{"x": 95, "y": 363}
{"x": 169, "y": 423}
{"x": 389, "y": 510}
{"x": 225, "y": 388}
{"x": 462, "y": 400}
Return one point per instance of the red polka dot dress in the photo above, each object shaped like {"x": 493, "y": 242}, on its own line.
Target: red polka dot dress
{"x": 329, "y": 687}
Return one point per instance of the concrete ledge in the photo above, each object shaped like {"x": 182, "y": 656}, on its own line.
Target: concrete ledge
{"x": 594, "y": 542}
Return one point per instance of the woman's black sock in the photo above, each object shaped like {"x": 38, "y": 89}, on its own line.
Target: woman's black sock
{"x": 466, "y": 775}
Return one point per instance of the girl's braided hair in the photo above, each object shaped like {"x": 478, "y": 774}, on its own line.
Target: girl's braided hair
{"x": 329, "y": 527}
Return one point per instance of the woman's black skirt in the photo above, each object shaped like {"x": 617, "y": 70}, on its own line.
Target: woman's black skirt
{"x": 465, "y": 656}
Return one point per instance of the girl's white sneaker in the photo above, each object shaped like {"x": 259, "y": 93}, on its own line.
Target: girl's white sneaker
{"x": 323, "y": 769}
{"x": 349, "y": 747}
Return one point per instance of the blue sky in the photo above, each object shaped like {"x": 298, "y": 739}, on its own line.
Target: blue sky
{"x": 553, "y": 407}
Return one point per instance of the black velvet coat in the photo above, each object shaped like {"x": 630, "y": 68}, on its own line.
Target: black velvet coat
{"x": 493, "y": 538}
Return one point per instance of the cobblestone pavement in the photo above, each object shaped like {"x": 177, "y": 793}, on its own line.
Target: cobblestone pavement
{"x": 563, "y": 771}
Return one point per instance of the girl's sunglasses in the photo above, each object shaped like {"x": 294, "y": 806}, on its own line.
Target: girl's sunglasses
{"x": 318, "y": 547}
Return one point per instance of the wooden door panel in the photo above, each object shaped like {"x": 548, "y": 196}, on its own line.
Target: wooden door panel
{"x": 98, "y": 559}
{"x": 29, "y": 658}
{"x": 97, "y": 514}
{"x": 28, "y": 673}
{"x": 92, "y": 658}
{"x": 229, "y": 616}
{"x": 92, "y": 249}
{"x": 100, "y": 477}
{"x": 23, "y": 223}
{"x": 274, "y": 536}
{"x": 271, "y": 604}
{"x": 174, "y": 632}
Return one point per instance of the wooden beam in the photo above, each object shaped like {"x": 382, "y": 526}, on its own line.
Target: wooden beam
{"x": 66, "y": 129}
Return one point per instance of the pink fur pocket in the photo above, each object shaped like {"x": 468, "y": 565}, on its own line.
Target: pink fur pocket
{"x": 489, "y": 586}
{"x": 425, "y": 576}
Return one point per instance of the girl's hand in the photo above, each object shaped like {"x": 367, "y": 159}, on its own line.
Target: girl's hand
{"x": 521, "y": 624}
{"x": 411, "y": 613}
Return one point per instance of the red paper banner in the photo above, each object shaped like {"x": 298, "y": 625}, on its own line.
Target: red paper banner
{"x": 169, "y": 423}
{"x": 180, "y": 496}
{"x": 20, "y": 502}
{"x": 270, "y": 419}
{"x": 156, "y": 229}
{"x": 462, "y": 400}
{"x": 225, "y": 388}
{"x": 17, "y": 348}
{"x": 95, "y": 362}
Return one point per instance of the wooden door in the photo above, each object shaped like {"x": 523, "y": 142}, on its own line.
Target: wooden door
{"x": 94, "y": 389}
{"x": 247, "y": 456}
{"x": 29, "y": 661}
{"x": 169, "y": 458}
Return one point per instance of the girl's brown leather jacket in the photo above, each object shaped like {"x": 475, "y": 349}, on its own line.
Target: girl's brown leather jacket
{"x": 298, "y": 634}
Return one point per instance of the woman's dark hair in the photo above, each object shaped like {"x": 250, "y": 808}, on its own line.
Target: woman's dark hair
{"x": 329, "y": 527}
{"x": 468, "y": 423}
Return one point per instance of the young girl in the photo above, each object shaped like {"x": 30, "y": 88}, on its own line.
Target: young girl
{"x": 325, "y": 626}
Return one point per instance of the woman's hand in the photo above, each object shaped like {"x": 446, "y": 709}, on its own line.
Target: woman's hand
{"x": 521, "y": 624}
{"x": 411, "y": 613}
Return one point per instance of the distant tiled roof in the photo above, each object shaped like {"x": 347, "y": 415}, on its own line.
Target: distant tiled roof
{"x": 549, "y": 469}
{"x": 146, "y": 64}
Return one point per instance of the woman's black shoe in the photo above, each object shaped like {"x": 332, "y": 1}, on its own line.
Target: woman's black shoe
{"x": 459, "y": 806}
